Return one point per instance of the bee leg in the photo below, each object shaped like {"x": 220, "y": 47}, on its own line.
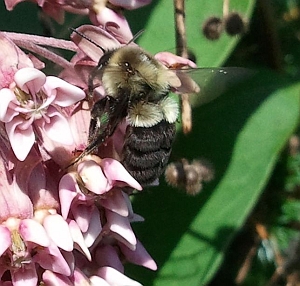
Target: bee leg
{"x": 105, "y": 117}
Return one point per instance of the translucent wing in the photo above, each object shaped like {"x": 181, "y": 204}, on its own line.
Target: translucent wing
{"x": 215, "y": 81}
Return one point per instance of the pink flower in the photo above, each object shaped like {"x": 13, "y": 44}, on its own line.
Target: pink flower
{"x": 114, "y": 23}
{"x": 77, "y": 192}
{"x": 33, "y": 102}
{"x": 24, "y": 241}
{"x": 62, "y": 226}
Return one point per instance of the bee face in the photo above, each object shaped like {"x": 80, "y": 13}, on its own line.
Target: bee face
{"x": 131, "y": 68}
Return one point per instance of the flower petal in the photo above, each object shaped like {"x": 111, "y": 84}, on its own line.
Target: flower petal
{"x": 12, "y": 58}
{"x": 98, "y": 281}
{"x": 65, "y": 93}
{"x": 107, "y": 255}
{"x": 58, "y": 128}
{"x": 30, "y": 80}
{"x": 58, "y": 230}
{"x": 5, "y": 239}
{"x": 121, "y": 226}
{"x": 79, "y": 278}
{"x": 99, "y": 36}
{"x": 113, "y": 22}
{"x": 139, "y": 256}
{"x": 115, "y": 202}
{"x": 54, "y": 279}
{"x": 7, "y": 113}
{"x": 92, "y": 177}
{"x": 79, "y": 125}
{"x": 169, "y": 59}
{"x": 94, "y": 228}
{"x": 33, "y": 231}
{"x": 78, "y": 239}
{"x": 115, "y": 278}
{"x": 115, "y": 171}
{"x": 82, "y": 214}
{"x": 21, "y": 140}
{"x": 51, "y": 258}
{"x": 67, "y": 193}
{"x": 25, "y": 276}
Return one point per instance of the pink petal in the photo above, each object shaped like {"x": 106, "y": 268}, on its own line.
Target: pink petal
{"x": 115, "y": 23}
{"x": 100, "y": 36}
{"x": 12, "y": 58}
{"x": 169, "y": 59}
{"x": 121, "y": 226}
{"x": 10, "y": 4}
{"x": 98, "y": 281}
{"x": 115, "y": 171}
{"x": 70, "y": 259}
{"x": 21, "y": 140}
{"x": 5, "y": 239}
{"x": 51, "y": 258}
{"x": 58, "y": 128}
{"x": 67, "y": 192}
{"x": 92, "y": 177}
{"x": 79, "y": 278}
{"x": 115, "y": 278}
{"x": 60, "y": 154}
{"x": 94, "y": 228}
{"x": 115, "y": 202}
{"x": 54, "y": 279}
{"x": 7, "y": 113}
{"x": 6, "y": 283}
{"x": 107, "y": 255}
{"x": 65, "y": 93}
{"x": 25, "y": 276}
{"x": 139, "y": 256}
{"x": 13, "y": 200}
{"x": 79, "y": 125}
{"x": 131, "y": 216}
{"x": 30, "y": 80}
{"x": 33, "y": 231}
{"x": 58, "y": 230}
{"x": 78, "y": 239}
{"x": 82, "y": 214}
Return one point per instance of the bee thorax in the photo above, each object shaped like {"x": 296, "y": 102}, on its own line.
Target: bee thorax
{"x": 148, "y": 114}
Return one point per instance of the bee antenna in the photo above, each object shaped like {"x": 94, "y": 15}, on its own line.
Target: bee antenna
{"x": 88, "y": 39}
{"x": 136, "y": 36}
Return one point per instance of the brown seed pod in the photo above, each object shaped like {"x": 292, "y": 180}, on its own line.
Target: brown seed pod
{"x": 234, "y": 24}
{"x": 212, "y": 28}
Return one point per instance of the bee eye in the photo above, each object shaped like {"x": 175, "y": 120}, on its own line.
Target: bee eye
{"x": 127, "y": 67}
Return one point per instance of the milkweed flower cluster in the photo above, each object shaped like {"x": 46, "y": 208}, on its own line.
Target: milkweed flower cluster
{"x": 63, "y": 225}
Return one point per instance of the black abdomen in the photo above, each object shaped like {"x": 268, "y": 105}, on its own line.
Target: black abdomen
{"x": 146, "y": 151}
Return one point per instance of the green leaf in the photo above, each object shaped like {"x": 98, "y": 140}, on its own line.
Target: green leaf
{"x": 158, "y": 21}
{"x": 242, "y": 134}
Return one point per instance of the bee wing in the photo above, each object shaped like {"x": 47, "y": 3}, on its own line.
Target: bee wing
{"x": 215, "y": 81}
